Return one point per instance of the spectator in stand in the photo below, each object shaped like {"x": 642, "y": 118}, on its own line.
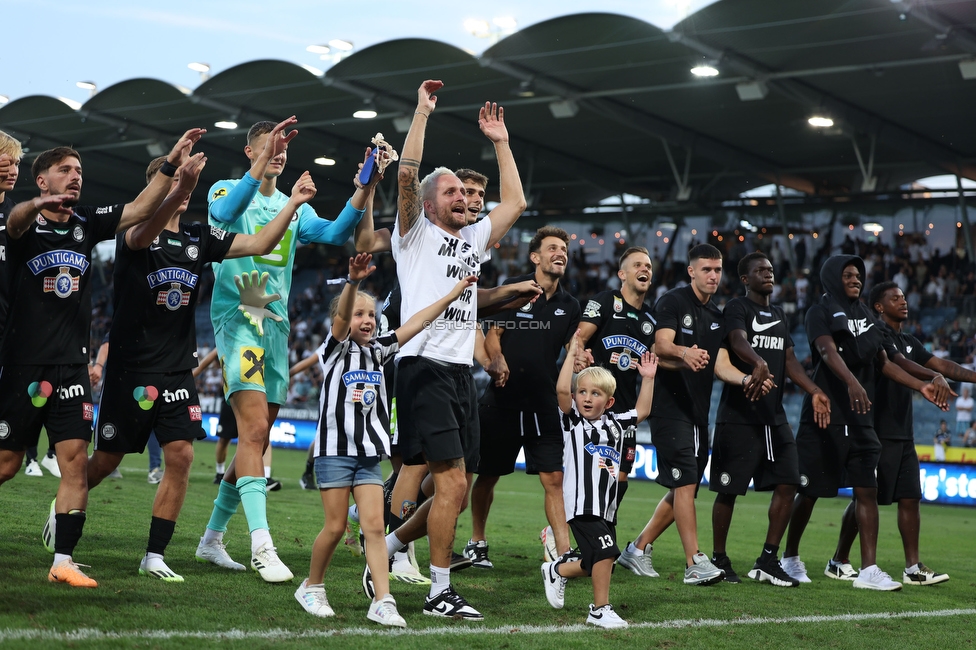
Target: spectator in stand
{"x": 969, "y": 438}
{"x": 942, "y": 440}
{"x": 957, "y": 342}
{"x": 964, "y": 411}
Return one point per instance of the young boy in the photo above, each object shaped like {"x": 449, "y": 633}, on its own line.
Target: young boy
{"x": 593, "y": 438}
{"x": 354, "y": 435}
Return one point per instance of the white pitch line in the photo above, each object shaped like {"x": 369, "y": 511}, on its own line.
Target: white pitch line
{"x": 86, "y": 634}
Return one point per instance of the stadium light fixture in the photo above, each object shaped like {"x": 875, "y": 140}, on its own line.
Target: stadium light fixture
{"x": 873, "y": 228}
{"x": 71, "y": 103}
{"x": 226, "y": 124}
{"x": 820, "y": 122}
{"x": 751, "y": 91}
{"x": 705, "y": 69}
{"x": 318, "y": 49}
{"x": 325, "y": 161}
{"x": 365, "y": 114}
{"x": 4, "y": 99}
{"x": 313, "y": 70}
{"x": 563, "y": 109}
{"x": 477, "y": 27}
{"x": 340, "y": 44}
{"x": 525, "y": 89}
{"x": 202, "y": 68}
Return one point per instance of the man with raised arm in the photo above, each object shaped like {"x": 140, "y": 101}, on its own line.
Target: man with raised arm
{"x": 255, "y": 359}
{"x": 436, "y": 402}
{"x": 44, "y": 380}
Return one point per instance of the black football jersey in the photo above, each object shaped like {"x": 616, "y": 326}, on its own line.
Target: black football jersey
{"x": 49, "y": 267}
{"x": 768, "y": 332}
{"x": 893, "y": 412}
{"x": 154, "y": 329}
{"x": 5, "y": 207}
{"x": 532, "y": 342}
{"x": 624, "y": 333}
{"x": 682, "y": 394}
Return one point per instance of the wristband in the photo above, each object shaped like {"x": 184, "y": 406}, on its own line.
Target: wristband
{"x": 427, "y": 115}
{"x": 98, "y": 364}
{"x": 168, "y": 169}
{"x": 349, "y": 281}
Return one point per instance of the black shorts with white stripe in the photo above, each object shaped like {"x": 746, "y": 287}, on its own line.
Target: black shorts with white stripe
{"x": 745, "y": 452}
{"x": 682, "y": 452}
{"x": 508, "y": 430}
{"x": 898, "y": 472}
{"x": 842, "y": 455}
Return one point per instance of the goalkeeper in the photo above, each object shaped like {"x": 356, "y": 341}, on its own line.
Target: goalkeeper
{"x": 252, "y": 339}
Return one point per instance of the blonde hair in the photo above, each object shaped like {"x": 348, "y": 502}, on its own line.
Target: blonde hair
{"x": 428, "y": 186}
{"x": 600, "y": 378}
{"x": 11, "y": 146}
{"x": 334, "y": 304}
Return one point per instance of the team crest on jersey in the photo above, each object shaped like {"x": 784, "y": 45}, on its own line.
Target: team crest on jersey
{"x": 618, "y": 304}
{"x": 622, "y": 360}
{"x": 41, "y": 221}
{"x": 526, "y": 307}
{"x": 592, "y": 309}
{"x": 173, "y": 296}
{"x": 364, "y": 396}
{"x": 63, "y": 284}
{"x": 252, "y": 365}
{"x": 686, "y": 321}
{"x": 78, "y": 233}
{"x": 647, "y": 328}
{"x": 192, "y": 252}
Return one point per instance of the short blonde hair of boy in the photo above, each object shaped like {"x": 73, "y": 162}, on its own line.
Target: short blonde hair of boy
{"x": 11, "y": 146}
{"x": 334, "y": 304}
{"x": 599, "y": 377}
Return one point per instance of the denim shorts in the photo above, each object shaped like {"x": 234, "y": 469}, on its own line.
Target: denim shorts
{"x": 347, "y": 471}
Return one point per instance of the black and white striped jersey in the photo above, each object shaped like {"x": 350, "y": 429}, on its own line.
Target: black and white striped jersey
{"x": 354, "y": 416}
{"x": 591, "y": 459}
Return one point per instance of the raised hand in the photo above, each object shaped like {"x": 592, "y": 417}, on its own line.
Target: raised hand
{"x": 304, "y": 189}
{"x": 254, "y": 299}
{"x": 189, "y": 172}
{"x": 181, "y": 150}
{"x": 359, "y": 268}
{"x": 426, "y": 99}
{"x": 648, "y": 365}
{"x": 278, "y": 140}
{"x": 54, "y": 203}
{"x": 5, "y": 164}
{"x": 491, "y": 121}
{"x": 463, "y": 285}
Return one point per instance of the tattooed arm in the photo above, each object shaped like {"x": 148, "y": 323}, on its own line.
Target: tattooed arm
{"x": 409, "y": 204}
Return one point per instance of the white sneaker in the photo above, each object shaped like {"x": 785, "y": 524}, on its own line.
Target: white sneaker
{"x": 923, "y": 576}
{"x": 116, "y": 473}
{"x": 156, "y": 568}
{"x": 384, "y": 612}
{"x": 269, "y": 566}
{"x": 639, "y": 563}
{"x": 402, "y": 570}
{"x": 795, "y": 568}
{"x": 314, "y": 600}
{"x": 555, "y": 585}
{"x": 47, "y": 533}
{"x": 33, "y": 469}
{"x": 840, "y": 571}
{"x": 412, "y": 556}
{"x": 216, "y": 553}
{"x": 605, "y": 617}
{"x": 873, "y": 577}
{"x": 155, "y": 476}
{"x": 50, "y": 463}
{"x": 549, "y": 553}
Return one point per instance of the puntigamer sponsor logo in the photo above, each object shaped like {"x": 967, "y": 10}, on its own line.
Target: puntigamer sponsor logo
{"x": 171, "y": 274}
{"x": 58, "y": 258}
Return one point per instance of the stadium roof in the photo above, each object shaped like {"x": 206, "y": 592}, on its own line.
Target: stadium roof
{"x": 597, "y": 104}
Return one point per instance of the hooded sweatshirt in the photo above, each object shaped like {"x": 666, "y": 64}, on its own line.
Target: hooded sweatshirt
{"x": 858, "y": 336}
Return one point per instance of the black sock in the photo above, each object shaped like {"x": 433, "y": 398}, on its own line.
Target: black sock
{"x": 718, "y": 556}
{"x": 770, "y": 551}
{"x": 160, "y": 532}
{"x": 395, "y": 522}
{"x": 621, "y": 491}
{"x": 31, "y": 454}
{"x": 309, "y": 466}
{"x": 68, "y": 531}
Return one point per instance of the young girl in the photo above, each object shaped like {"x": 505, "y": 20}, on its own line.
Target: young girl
{"x": 593, "y": 437}
{"x": 353, "y": 435}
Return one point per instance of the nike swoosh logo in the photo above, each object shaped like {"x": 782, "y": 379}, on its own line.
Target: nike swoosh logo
{"x": 619, "y": 317}
{"x": 908, "y": 349}
{"x": 47, "y": 232}
{"x": 155, "y": 248}
{"x": 756, "y": 327}
{"x": 443, "y": 607}
{"x": 715, "y": 326}
{"x": 559, "y": 312}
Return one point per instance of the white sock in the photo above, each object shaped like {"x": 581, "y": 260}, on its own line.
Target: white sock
{"x": 154, "y": 556}
{"x": 60, "y": 557}
{"x": 440, "y": 580}
{"x": 267, "y": 471}
{"x": 633, "y": 549}
{"x": 393, "y": 544}
{"x": 354, "y": 512}
{"x": 220, "y": 468}
{"x": 912, "y": 569}
{"x": 400, "y": 556}
{"x": 259, "y": 538}
{"x": 211, "y": 536}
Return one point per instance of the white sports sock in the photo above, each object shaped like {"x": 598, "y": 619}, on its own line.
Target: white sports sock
{"x": 220, "y": 468}
{"x": 211, "y": 536}
{"x": 393, "y": 544}
{"x": 633, "y": 549}
{"x": 259, "y": 538}
{"x": 440, "y": 580}
{"x": 912, "y": 569}
{"x": 154, "y": 556}
{"x": 267, "y": 471}
{"x": 401, "y": 556}
{"x": 60, "y": 557}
